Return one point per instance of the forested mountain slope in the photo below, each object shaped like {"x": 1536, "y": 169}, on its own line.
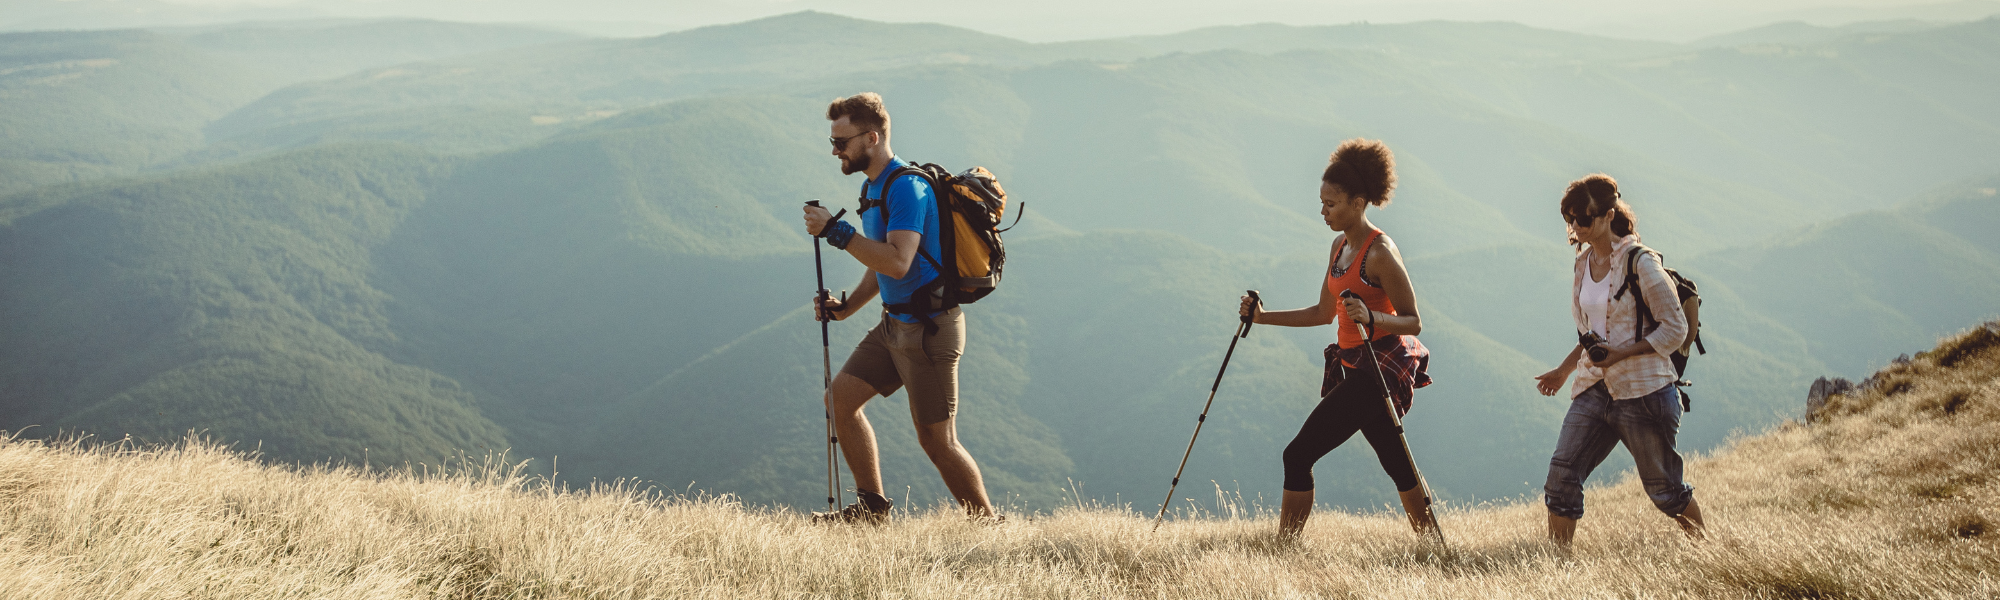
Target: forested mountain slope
{"x": 234, "y": 301}
{"x": 85, "y": 105}
{"x": 94, "y": 104}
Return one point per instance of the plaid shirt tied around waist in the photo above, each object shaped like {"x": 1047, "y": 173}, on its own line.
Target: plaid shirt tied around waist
{"x": 1405, "y": 364}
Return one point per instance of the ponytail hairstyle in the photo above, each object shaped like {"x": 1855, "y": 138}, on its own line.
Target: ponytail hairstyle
{"x": 1591, "y": 196}
{"x": 1364, "y": 169}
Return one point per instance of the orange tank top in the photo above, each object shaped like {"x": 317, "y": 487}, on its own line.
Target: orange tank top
{"x": 1355, "y": 277}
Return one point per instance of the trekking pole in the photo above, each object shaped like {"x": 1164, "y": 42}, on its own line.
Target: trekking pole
{"x": 1242, "y": 331}
{"x": 826, "y": 364}
{"x": 1368, "y": 344}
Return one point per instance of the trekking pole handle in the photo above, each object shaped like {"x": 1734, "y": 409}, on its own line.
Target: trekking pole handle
{"x": 1370, "y": 334}
{"x": 833, "y": 219}
{"x": 1255, "y": 302}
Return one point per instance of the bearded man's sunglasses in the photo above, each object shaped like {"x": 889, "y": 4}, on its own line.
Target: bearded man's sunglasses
{"x": 840, "y": 143}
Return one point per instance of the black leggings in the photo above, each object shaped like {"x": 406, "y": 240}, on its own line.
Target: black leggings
{"x": 1354, "y": 405}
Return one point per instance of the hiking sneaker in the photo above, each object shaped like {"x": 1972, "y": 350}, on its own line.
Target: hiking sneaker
{"x": 869, "y": 507}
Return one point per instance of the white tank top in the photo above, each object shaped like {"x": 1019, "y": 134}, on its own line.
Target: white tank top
{"x": 1595, "y": 298}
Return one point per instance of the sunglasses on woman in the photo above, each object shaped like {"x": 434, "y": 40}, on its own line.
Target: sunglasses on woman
{"x": 1581, "y": 221}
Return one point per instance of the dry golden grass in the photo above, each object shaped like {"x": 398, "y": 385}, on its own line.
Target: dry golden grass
{"x": 1894, "y": 496}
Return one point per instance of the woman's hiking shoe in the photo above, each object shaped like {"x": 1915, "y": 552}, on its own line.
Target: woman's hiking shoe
{"x": 869, "y": 507}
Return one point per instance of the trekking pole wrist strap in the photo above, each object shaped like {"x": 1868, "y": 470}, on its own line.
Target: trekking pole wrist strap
{"x": 838, "y": 234}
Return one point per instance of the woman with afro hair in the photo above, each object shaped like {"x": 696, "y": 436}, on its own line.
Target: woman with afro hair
{"x": 1365, "y": 262}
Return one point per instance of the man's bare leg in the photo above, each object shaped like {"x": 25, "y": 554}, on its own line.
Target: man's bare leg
{"x": 857, "y": 438}
{"x": 955, "y": 465}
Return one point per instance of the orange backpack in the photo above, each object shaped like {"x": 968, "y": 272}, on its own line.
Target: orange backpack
{"x": 969, "y": 208}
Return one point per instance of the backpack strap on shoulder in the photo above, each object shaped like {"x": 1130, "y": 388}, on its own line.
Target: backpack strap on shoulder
{"x": 923, "y": 172}
{"x": 926, "y": 299}
{"x": 887, "y": 182}
{"x": 1646, "y": 321}
{"x": 1631, "y": 282}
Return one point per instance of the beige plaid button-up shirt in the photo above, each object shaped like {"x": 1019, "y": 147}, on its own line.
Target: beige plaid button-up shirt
{"x": 1645, "y": 373}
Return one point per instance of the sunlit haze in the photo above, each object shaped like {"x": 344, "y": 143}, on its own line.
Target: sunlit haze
{"x": 1032, "y": 20}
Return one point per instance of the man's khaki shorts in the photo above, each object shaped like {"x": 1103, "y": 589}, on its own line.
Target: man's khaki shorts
{"x": 897, "y": 354}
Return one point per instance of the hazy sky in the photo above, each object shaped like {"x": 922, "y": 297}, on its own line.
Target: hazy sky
{"x": 1034, "y": 20}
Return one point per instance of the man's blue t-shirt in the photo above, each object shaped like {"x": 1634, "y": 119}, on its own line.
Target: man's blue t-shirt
{"x": 911, "y": 208}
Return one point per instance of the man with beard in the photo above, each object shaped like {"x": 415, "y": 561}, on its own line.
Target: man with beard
{"x": 914, "y": 346}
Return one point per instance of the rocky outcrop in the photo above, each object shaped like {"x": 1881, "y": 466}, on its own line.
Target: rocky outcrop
{"x": 1948, "y": 354}
{"x": 1822, "y": 389}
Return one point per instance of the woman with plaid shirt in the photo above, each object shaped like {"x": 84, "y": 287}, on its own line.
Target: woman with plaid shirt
{"x": 1366, "y": 263}
{"x": 1629, "y": 395}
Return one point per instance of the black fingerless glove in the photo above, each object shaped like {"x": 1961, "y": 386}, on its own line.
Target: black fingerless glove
{"x": 838, "y": 233}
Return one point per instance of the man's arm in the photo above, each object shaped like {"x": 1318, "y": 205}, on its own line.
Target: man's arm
{"x": 863, "y": 292}
{"x": 890, "y": 258}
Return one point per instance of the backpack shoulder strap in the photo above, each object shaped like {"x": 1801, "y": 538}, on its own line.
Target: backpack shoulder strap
{"x": 1631, "y": 282}
{"x": 889, "y": 181}
{"x": 929, "y": 173}
{"x": 1646, "y": 321}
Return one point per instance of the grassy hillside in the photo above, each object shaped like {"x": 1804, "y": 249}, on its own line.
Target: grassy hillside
{"x": 1889, "y": 494}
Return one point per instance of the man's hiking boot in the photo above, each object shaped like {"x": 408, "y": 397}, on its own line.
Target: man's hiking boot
{"x": 870, "y": 508}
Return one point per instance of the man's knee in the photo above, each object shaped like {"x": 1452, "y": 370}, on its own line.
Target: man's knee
{"x": 848, "y": 394}
{"x": 937, "y": 438}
